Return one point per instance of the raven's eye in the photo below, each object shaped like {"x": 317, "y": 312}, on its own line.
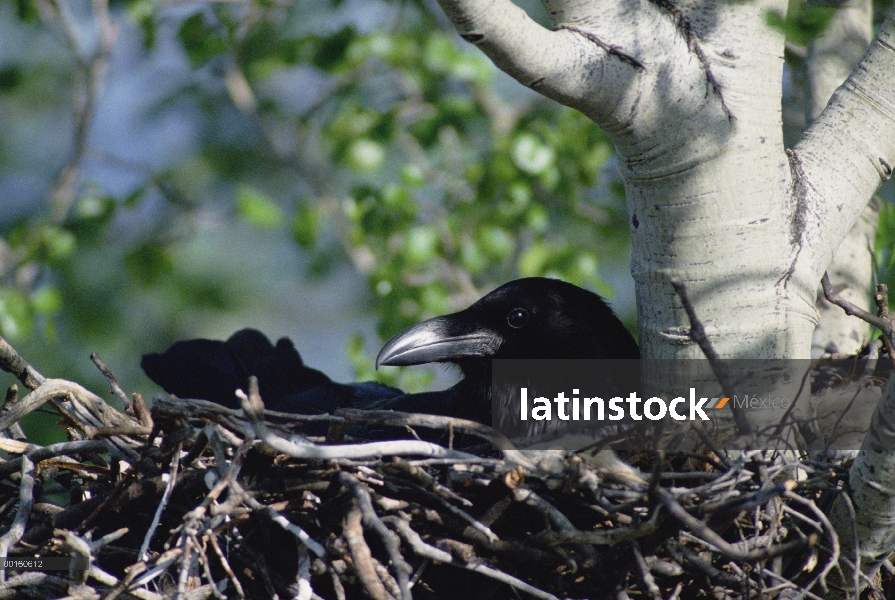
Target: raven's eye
{"x": 517, "y": 318}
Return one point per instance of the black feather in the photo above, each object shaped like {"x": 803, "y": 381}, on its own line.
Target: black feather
{"x": 526, "y": 318}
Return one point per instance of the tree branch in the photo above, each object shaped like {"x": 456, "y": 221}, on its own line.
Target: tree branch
{"x": 850, "y": 149}
{"x": 569, "y": 65}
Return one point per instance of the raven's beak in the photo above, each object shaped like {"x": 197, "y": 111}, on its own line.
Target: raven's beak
{"x": 441, "y": 339}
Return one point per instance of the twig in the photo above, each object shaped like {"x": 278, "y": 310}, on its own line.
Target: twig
{"x": 303, "y": 576}
{"x": 187, "y": 564}
{"x": 360, "y": 553}
{"x": 390, "y": 540}
{"x": 601, "y": 537}
{"x": 401, "y": 466}
{"x": 81, "y": 405}
{"x": 156, "y": 519}
{"x": 303, "y": 449}
{"x": 12, "y": 362}
{"x": 403, "y": 419}
{"x": 62, "y": 448}
{"x": 206, "y": 569}
{"x": 12, "y": 396}
{"x": 26, "y": 500}
{"x": 698, "y": 335}
{"x": 708, "y": 535}
{"x": 881, "y": 321}
{"x": 89, "y": 74}
{"x": 645, "y": 574}
{"x": 557, "y": 518}
{"x": 212, "y": 539}
{"x": 116, "y": 389}
{"x": 421, "y": 548}
{"x": 283, "y": 522}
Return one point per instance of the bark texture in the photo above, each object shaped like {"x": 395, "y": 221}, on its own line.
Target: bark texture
{"x": 690, "y": 95}
{"x": 831, "y": 58}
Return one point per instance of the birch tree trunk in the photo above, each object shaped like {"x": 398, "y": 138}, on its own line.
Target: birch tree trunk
{"x": 864, "y": 521}
{"x": 690, "y": 94}
{"x": 831, "y": 58}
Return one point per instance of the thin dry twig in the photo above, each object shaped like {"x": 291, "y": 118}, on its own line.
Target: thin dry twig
{"x": 698, "y": 335}
{"x": 881, "y": 321}
{"x": 107, "y": 373}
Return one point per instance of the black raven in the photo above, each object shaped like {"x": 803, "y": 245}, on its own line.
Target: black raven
{"x": 214, "y": 370}
{"x": 527, "y": 318}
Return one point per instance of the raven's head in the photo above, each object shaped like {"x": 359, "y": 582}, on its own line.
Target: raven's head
{"x": 527, "y": 318}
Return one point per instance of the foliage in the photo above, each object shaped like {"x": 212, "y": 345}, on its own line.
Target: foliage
{"x": 393, "y": 147}
{"x": 369, "y": 137}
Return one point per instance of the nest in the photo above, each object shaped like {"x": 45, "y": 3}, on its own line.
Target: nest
{"x": 194, "y": 500}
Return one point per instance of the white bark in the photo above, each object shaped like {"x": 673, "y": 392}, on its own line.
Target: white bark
{"x": 831, "y": 58}
{"x": 871, "y": 518}
{"x": 852, "y": 274}
{"x": 848, "y": 151}
{"x": 690, "y": 95}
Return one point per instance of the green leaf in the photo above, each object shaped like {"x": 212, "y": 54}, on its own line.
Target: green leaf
{"x": 133, "y": 198}
{"x": 496, "y": 242}
{"x": 201, "y": 42}
{"x": 533, "y": 261}
{"x": 148, "y": 263}
{"x": 331, "y": 50}
{"x": 11, "y": 77}
{"x": 472, "y": 258}
{"x": 365, "y": 156}
{"x": 16, "y": 319}
{"x": 142, "y": 13}
{"x": 586, "y": 264}
{"x": 434, "y": 298}
{"x": 258, "y": 209}
{"x": 421, "y": 244}
{"x": 885, "y": 233}
{"x": 26, "y": 10}
{"x": 203, "y": 292}
{"x": 803, "y": 21}
{"x": 46, "y": 299}
{"x": 306, "y": 225}
{"x": 412, "y": 175}
{"x": 532, "y": 156}
{"x": 92, "y": 208}
{"x": 57, "y": 243}
{"x": 537, "y": 218}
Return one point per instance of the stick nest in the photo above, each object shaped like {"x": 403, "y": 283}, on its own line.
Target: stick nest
{"x": 194, "y": 500}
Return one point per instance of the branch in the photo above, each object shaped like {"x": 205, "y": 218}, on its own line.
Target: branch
{"x": 881, "y": 322}
{"x": 833, "y": 54}
{"x": 697, "y": 334}
{"x": 390, "y": 540}
{"x": 298, "y": 447}
{"x": 12, "y": 362}
{"x": 360, "y": 553}
{"x": 421, "y": 548}
{"x": 26, "y": 501}
{"x": 116, "y": 388}
{"x": 568, "y": 65}
{"x": 89, "y": 74}
{"x": 849, "y": 150}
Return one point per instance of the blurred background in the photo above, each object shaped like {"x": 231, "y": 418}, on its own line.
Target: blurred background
{"x": 328, "y": 171}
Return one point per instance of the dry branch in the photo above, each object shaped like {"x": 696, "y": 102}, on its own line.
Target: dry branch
{"x": 234, "y": 503}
